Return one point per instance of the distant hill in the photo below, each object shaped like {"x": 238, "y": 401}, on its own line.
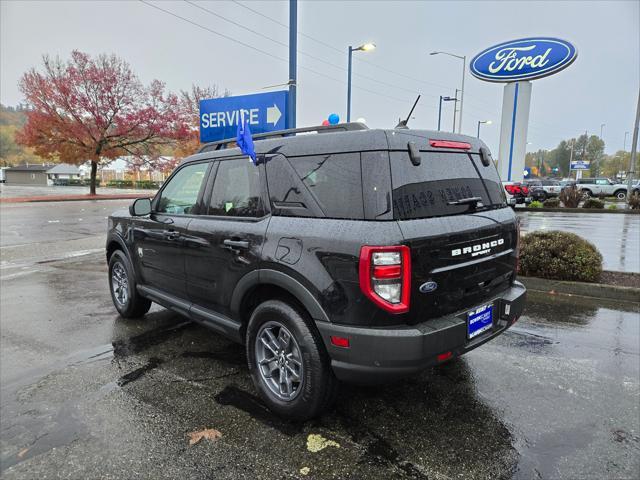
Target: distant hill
{"x": 11, "y": 120}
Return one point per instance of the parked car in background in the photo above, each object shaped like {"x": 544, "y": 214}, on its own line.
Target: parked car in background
{"x": 516, "y": 193}
{"x": 536, "y": 190}
{"x": 602, "y": 187}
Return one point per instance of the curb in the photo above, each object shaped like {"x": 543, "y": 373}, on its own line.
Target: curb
{"x": 596, "y": 290}
{"x": 73, "y": 198}
{"x": 578, "y": 210}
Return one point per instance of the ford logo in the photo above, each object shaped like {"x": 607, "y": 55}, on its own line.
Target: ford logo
{"x": 428, "y": 287}
{"x": 523, "y": 59}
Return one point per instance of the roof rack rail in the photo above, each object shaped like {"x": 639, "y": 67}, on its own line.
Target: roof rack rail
{"x": 344, "y": 127}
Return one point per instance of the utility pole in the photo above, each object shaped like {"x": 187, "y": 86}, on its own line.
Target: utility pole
{"x": 455, "y": 109}
{"x": 464, "y": 67}
{"x": 571, "y": 159}
{"x": 624, "y": 145}
{"x": 293, "y": 62}
{"x": 634, "y": 148}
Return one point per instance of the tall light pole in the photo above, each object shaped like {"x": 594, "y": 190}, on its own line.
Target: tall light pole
{"x": 634, "y": 147}
{"x": 480, "y": 122}
{"x": 455, "y": 110}
{"x": 442, "y": 99}
{"x": 364, "y": 48}
{"x": 293, "y": 61}
{"x": 602, "y": 125}
{"x": 464, "y": 68}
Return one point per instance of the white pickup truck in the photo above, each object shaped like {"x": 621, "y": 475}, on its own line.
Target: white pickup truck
{"x": 602, "y": 187}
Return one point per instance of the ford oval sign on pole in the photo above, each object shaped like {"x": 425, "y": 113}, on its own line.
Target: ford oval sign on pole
{"x": 515, "y": 63}
{"x": 265, "y": 112}
{"x": 524, "y": 59}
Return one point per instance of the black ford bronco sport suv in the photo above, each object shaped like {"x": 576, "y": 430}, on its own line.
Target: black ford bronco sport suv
{"x": 348, "y": 254}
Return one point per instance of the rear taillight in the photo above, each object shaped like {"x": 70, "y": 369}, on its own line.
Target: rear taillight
{"x": 513, "y": 189}
{"x": 525, "y": 190}
{"x": 385, "y": 276}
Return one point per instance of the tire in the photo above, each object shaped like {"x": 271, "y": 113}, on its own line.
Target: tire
{"x": 586, "y": 193}
{"x": 122, "y": 286}
{"x": 316, "y": 387}
{"x": 620, "y": 194}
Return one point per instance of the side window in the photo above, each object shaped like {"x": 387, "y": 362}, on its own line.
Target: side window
{"x": 236, "y": 190}
{"x": 288, "y": 194}
{"x": 335, "y": 182}
{"x": 180, "y": 195}
{"x": 376, "y": 185}
{"x": 602, "y": 181}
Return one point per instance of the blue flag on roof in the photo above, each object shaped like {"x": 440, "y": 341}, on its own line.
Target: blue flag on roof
{"x": 245, "y": 140}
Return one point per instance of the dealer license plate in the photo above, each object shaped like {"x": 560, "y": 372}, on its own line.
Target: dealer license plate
{"x": 479, "y": 321}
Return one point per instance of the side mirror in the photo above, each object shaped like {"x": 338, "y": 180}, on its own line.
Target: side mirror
{"x": 140, "y": 207}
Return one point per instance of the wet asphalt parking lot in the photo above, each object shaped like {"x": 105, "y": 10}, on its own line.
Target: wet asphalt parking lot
{"x": 86, "y": 394}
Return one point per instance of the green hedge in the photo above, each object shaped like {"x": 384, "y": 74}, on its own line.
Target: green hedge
{"x": 593, "y": 203}
{"x": 83, "y": 182}
{"x": 553, "y": 202}
{"x": 142, "y": 184}
{"x": 559, "y": 256}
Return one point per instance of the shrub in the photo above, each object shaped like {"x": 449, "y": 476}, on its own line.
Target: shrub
{"x": 559, "y": 256}
{"x": 593, "y": 203}
{"x": 613, "y": 206}
{"x": 551, "y": 203}
{"x": 535, "y": 204}
{"x": 570, "y": 197}
{"x": 634, "y": 201}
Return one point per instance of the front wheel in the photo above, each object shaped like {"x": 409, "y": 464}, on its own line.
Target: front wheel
{"x": 287, "y": 361}
{"x": 122, "y": 285}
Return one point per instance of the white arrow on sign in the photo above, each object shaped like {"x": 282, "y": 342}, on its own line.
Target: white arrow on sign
{"x": 273, "y": 114}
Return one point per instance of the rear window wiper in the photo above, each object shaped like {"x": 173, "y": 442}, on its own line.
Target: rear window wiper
{"x": 471, "y": 201}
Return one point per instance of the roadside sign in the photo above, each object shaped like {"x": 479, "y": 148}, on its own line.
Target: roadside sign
{"x": 265, "y": 112}
{"x": 580, "y": 165}
{"x": 523, "y": 59}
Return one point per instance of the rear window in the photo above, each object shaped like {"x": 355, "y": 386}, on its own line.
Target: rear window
{"x": 426, "y": 190}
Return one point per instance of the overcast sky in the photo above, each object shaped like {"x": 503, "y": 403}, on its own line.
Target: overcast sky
{"x": 600, "y": 87}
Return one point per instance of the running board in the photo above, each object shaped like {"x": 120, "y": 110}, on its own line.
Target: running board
{"x": 222, "y": 324}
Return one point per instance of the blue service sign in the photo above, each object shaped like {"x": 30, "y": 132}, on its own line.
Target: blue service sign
{"x": 265, "y": 112}
{"x": 523, "y": 59}
{"x": 579, "y": 165}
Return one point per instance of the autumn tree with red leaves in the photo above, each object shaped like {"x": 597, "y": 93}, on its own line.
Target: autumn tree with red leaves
{"x": 96, "y": 109}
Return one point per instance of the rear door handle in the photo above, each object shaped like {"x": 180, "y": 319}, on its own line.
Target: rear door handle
{"x": 235, "y": 243}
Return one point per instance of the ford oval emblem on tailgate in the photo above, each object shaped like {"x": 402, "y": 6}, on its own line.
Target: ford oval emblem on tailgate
{"x": 428, "y": 287}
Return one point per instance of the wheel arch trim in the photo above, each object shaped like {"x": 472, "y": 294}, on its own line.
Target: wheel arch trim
{"x": 279, "y": 279}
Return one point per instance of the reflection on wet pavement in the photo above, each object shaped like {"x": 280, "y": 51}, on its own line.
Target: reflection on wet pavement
{"x": 617, "y": 236}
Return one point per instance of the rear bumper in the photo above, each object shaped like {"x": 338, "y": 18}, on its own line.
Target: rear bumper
{"x": 378, "y": 355}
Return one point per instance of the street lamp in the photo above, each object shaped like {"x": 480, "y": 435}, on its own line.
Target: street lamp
{"x": 602, "y": 125}
{"x": 364, "y": 48}
{"x": 464, "y": 67}
{"x": 443, "y": 99}
{"x": 480, "y": 122}
{"x": 624, "y": 145}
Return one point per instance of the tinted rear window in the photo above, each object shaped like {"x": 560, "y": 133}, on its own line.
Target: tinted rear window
{"x": 425, "y": 190}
